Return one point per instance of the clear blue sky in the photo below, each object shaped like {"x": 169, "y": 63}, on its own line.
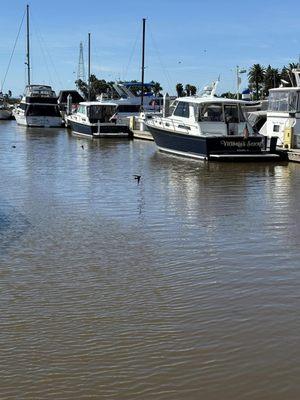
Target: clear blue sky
{"x": 191, "y": 41}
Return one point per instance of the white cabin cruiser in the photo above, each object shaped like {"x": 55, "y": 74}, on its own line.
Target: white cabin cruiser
{"x": 38, "y": 107}
{"x": 210, "y": 128}
{"x": 97, "y": 119}
{"x": 283, "y": 114}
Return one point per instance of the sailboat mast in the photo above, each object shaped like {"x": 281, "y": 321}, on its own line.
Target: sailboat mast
{"x": 28, "y": 47}
{"x": 89, "y": 67}
{"x": 143, "y": 63}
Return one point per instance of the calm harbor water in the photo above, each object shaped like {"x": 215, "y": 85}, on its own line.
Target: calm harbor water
{"x": 185, "y": 286}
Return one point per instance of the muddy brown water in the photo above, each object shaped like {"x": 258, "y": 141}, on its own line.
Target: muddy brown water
{"x": 185, "y": 286}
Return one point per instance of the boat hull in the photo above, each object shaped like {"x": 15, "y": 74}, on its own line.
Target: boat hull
{"x": 212, "y": 147}
{"x": 5, "y": 114}
{"x": 40, "y": 121}
{"x": 105, "y": 130}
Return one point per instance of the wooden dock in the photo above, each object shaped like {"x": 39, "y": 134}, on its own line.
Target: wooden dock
{"x": 294, "y": 155}
{"x": 143, "y": 135}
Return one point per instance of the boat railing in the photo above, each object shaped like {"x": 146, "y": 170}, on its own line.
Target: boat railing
{"x": 174, "y": 124}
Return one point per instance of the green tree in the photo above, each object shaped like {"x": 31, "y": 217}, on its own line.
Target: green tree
{"x": 179, "y": 89}
{"x": 292, "y": 66}
{"x": 271, "y": 79}
{"x": 188, "y": 89}
{"x": 193, "y": 90}
{"x": 256, "y": 78}
{"x": 98, "y": 86}
{"x": 285, "y": 75}
{"x": 156, "y": 88}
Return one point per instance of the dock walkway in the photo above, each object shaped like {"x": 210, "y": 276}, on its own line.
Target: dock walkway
{"x": 142, "y": 135}
{"x": 294, "y": 155}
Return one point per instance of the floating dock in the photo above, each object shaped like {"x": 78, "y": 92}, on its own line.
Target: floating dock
{"x": 144, "y": 135}
{"x": 294, "y": 155}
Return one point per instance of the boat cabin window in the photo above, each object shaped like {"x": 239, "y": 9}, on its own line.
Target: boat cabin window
{"x": 214, "y": 112}
{"x": 34, "y": 110}
{"x": 81, "y": 109}
{"x": 101, "y": 113}
{"x": 129, "y": 108}
{"x": 283, "y": 100}
{"x": 182, "y": 109}
{"x": 211, "y": 112}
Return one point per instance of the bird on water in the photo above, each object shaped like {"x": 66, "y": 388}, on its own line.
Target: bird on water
{"x": 137, "y": 177}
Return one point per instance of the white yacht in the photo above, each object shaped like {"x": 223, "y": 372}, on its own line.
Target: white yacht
{"x": 97, "y": 119}
{"x": 283, "y": 114}
{"x": 209, "y": 128}
{"x": 38, "y": 107}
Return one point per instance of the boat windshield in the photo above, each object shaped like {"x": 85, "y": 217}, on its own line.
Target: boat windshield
{"x": 81, "y": 109}
{"x": 283, "y": 100}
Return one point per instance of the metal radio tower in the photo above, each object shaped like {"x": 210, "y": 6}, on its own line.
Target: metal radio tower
{"x": 81, "y": 71}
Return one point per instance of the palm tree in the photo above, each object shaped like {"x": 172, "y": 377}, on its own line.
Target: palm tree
{"x": 271, "y": 79}
{"x": 179, "y": 89}
{"x": 156, "y": 88}
{"x": 256, "y": 77}
{"x": 290, "y": 67}
{"x": 188, "y": 89}
{"x": 193, "y": 90}
{"x": 284, "y": 75}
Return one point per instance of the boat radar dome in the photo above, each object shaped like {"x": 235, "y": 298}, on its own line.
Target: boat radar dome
{"x": 246, "y": 94}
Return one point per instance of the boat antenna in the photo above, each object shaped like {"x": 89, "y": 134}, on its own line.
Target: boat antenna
{"x": 28, "y": 46}
{"x": 214, "y": 87}
{"x": 143, "y": 63}
{"x": 89, "y": 67}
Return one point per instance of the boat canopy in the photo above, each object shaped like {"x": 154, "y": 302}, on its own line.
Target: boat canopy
{"x": 284, "y": 100}
{"x": 63, "y": 95}
{"x": 39, "y": 91}
{"x": 138, "y": 84}
{"x": 95, "y": 111}
{"x": 211, "y": 111}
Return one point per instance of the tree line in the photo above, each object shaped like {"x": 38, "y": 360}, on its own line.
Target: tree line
{"x": 188, "y": 90}
{"x": 98, "y": 86}
{"x": 260, "y": 80}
